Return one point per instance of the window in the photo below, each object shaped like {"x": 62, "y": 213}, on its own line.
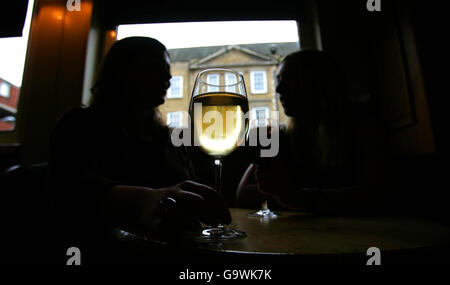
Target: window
{"x": 176, "y": 87}
{"x": 5, "y": 89}
{"x": 251, "y": 48}
{"x": 260, "y": 116}
{"x": 174, "y": 119}
{"x": 230, "y": 79}
{"x": 213, "y": 79}
{"x": 258, "y": 82}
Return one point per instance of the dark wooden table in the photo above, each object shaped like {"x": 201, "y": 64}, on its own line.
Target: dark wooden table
{"x": 293, "y": 233}
{"x": 309, "y": 238}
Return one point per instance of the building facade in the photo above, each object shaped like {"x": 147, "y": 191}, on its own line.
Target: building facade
{"x": 257, "y": 63}
{"x": 9, "y": 95}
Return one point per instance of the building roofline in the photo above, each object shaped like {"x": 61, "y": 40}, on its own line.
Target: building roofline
{"x": 268, "y": 50}
{"x": 266, "y": 60}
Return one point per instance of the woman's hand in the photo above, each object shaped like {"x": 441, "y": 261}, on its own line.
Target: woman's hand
{"x": 247, "y": 195}
{"x": 139, "y": 209}
{"x": 195, "y": 203}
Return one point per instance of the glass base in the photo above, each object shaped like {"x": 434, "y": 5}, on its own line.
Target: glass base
{"x": 221, "y": 233}
{"x": 267, "y": 213}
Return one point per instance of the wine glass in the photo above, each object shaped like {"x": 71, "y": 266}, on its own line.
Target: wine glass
{"x": 218, "y": 105}
{"x": 264, "y": 212}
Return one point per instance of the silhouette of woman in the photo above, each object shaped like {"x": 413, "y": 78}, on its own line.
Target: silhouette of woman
{"x": 316, "y": 148}
{"x": 112, "y": 164}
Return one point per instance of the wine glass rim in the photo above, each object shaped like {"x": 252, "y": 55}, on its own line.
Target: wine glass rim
{"x": 240, "y": 76}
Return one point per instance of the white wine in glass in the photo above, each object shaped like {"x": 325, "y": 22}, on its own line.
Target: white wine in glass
{"x": 218, "y": 107}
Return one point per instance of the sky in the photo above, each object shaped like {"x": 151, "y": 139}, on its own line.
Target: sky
{"x": 13, "y": 51}
{"x": 197, "y": 34}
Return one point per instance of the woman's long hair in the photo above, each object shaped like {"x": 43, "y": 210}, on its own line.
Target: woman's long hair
{"x": 110, "y": 93}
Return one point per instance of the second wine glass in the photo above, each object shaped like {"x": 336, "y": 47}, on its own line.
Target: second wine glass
{"x": 264, "y": 212}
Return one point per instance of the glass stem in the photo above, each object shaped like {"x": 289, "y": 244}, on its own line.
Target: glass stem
{"x": 218, "y": 185}
{"x": 264, "y": 206}
{"x": 218, "y": 175}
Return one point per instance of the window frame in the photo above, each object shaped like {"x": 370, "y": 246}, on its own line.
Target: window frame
{"x": 253, "y": 89}
{"x": 215, "y": 75}
{"x": 254, "y": 116}
{"x": 227, "y": 81}
{"x": 170, "y": 95}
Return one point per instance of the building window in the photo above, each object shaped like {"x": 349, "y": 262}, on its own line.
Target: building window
{"x": 260, "y": 116}
{"x": 5, "y": 89}
{"x": 176, "y": 87}
{"x": 230, "y": 79}
{"x": 213, "y": 79}
{"x": 175, "y": 119}
{"x": 258, "y": 82}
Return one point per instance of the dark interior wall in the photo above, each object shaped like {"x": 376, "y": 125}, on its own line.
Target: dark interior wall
{"x": 347, "y": 34}
{"x": 390, "y": 58}
{"x": 379, "y": 53}
{"x": 424, "y": 177}
{"x": 429, "y": 23}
